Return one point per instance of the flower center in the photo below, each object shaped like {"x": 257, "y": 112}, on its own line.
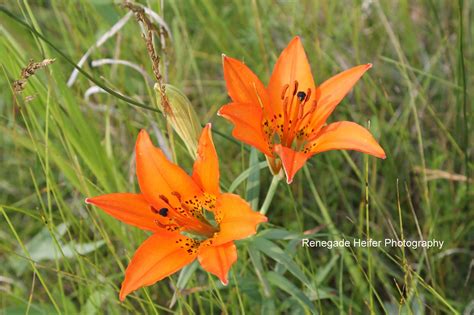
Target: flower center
{"x": 292, "y": 126}
{"x": 192, "y": 216}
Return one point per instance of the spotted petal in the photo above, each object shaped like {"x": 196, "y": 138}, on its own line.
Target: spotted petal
{"x": 247, "y": 120}
{"x": 291, "y": 160}
{"x": 129, "y": 208}
{"x": 291, "y": 66}
{"x": 236, "y": 219}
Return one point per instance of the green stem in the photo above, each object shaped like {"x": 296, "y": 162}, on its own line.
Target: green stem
{"x": 270, "y": 193}
{"x": 464, "y": 100}
{"x": 367, "y": 231}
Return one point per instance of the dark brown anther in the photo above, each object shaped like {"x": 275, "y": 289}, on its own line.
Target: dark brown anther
{"x": 308, "y": 94}
{"x": 162, "y": 197}
{"x": 296, "y": 88}
{"x": 301, "y": 96}
{"x": 176, "y": 194}
{"x": 163, "y": 212}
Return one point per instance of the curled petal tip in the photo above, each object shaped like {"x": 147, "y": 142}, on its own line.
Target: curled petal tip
{"x": 369, "y": 65}
{"x": 289, "y": 180}
{"x": 122, "y": 295}
{"x": 142, "y": 133}
{"x": 225, "y": 281}
{"x": 88, "y": 201}
{"x": 224, "y": 58}
{"x": 381, "y": 154}
{"x": 295, "y": 41}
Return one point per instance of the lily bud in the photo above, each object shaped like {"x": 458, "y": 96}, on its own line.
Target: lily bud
{"x": 180, "y": 113}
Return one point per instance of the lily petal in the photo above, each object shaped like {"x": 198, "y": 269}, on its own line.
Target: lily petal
{"x": 206, "y": 166}
{"x": 243, "y": 85}
{"x": 291, "y": 66}
{"x": 218, "y": 259}
{"x": 236, "y": 219}
{"x": 247, "y": 120}
{"x": 161, "y": 255}
{"x": 331, "y": 92}
{"x": 346, "y": 135}
{"x": 129, "y": 208}
{"x": 292, "y": 161}
{"x": 156, "y": 173}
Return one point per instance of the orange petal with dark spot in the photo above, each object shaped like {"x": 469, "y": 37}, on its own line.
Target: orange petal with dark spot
{"x": 236, "y": 219}
{"x": 291, "y": 66}
{"x": 247, "y": 120}
{"x": 291, "y": 160}
{"x": 129, "y": 208}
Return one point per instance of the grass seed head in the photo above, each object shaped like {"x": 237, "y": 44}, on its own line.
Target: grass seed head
{"x": 28, "y": 71}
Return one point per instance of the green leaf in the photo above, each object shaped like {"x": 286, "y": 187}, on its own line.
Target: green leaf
{"x": 34, "y": 309}
{"x": 290, "y": 250}
{"x": 273, "y": 251}
{"x": 291, "y": 289}
{"x": 279, "y": 234}
{"x": 322, "y": 273}
{"x": 44, "y": 246}
{"x": 183, "y": 279}
{"x": 95, "y": 301}
{"x": 243, "y": 176}
{"x": 256, "y": 259}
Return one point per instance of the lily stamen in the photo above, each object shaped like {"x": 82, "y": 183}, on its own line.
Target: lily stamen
{"x": 283, "y": 91}
{"x": 288, "y": 110}
{"x": 308, "y": 95}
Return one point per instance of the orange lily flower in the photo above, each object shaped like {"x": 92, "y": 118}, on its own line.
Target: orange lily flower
{"x": 189, "y": 217}
{"x": 287, "y": 119}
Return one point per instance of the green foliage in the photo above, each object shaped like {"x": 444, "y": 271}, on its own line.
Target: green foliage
{"x": 61, "y": 143}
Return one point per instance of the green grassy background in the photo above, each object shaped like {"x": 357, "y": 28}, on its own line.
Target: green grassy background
{"x": 60, "y": 256}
